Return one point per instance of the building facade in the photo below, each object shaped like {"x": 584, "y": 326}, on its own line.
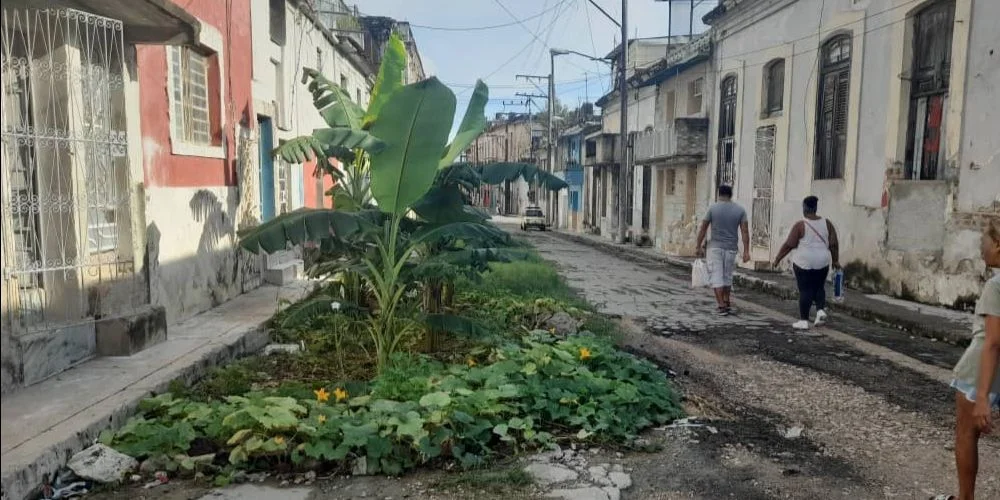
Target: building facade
{"x": 885, "y": 110}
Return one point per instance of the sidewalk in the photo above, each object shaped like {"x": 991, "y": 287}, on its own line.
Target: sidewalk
{"x": 45, "y": 424}
{"x": 915, "y": 318}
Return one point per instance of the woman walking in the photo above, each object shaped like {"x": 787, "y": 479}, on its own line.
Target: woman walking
{"x": 814, "y": 240}
{"x": 977, "y": 375}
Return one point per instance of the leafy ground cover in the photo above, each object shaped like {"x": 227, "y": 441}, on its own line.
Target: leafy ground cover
{"x": 515, "y": 386}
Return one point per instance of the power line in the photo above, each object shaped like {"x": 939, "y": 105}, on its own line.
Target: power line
{"x": 483, "y": 28}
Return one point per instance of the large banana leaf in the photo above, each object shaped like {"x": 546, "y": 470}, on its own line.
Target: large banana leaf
{"x": 497, "y": 173}
{"x": 390, "y": 77}
{"x": 414, "y": 123}
{"x": 465, "y": 231}
{"x": 306, "y": 224}
{"x": 326, "y": 143}
{"x": 472, "y": 125}
{"x": 299, "y": 149}
{"x": 349, "y": 138}
{"x": 333, "y": 102}
{"x": 443, "y": 204}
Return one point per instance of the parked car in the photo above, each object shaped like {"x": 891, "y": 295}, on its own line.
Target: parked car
{"x": 533, "y": 218}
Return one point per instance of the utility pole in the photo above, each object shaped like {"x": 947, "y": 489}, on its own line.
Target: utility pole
{"x": 533, "y": 78}
{"x": 623, "y": 126}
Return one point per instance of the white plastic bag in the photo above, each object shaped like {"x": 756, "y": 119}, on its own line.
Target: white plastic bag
{"x": 699, "y": 274}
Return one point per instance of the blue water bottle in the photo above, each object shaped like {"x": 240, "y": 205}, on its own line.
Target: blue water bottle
{"x": 838, "y": 285}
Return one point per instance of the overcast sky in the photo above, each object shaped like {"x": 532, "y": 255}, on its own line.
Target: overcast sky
{"x": 458, "y": 58}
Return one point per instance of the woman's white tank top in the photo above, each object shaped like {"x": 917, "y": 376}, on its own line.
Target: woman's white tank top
{"x": 813, "y": 251}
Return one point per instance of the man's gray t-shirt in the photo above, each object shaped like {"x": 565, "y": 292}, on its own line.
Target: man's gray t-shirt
{"x": 725, "y": 218}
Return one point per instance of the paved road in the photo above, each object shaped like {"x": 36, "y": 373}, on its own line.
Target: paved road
{"x": 872, "y": 402}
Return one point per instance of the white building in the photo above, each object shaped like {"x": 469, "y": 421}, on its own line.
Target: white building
{"x": 884, "y": 109}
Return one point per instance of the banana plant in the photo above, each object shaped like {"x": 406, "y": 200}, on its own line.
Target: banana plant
{"x": 403, "y": 137}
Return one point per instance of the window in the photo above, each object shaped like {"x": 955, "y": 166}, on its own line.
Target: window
{"x": 189, "y": 88}
{"x": 695, "y": 92}
{"x": 319, "y": 60}
{"x": 357, "y": 92}
{"x": 726, "y": 173}
{"x": 591, "y": 149}
{"x": 932, "y": 33}
{"x": 343, "y": 82}
{"x": 774, "y": 87}
{"x": 831, "y": 113}
{"x": 278, "y": 21}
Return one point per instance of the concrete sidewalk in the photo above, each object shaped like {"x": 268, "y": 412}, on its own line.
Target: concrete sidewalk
{"x": 918, "y": 319}
{"x": 45, "y": 424}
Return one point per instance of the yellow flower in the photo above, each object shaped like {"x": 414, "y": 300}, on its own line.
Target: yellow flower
{"x": 279, "y": 440}
{"x": 321, "y": 394}
{"x": 321, "y": 418}
{"x": 552, "y": 330}
{"x": 471, "y": 362}
{"x": 339, "y": 394}
{"x": 584, "y": 353}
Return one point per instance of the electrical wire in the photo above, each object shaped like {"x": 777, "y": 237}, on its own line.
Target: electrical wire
{"x": 490, "y": 27}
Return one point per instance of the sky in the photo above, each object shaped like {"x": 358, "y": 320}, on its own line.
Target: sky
{"x": 497, "y": 55}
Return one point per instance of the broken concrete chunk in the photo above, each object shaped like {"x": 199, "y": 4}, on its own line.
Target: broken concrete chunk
{"x": 102, "y": 464}
{"x": 549, "y": 474}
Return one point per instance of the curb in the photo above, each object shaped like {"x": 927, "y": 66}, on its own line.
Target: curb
{"x": 912, "y": 326}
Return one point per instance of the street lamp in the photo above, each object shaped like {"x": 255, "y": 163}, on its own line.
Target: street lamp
{"x": 552, "y": 101}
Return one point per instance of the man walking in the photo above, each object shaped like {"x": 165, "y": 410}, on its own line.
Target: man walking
{"x": 724, "y": 217}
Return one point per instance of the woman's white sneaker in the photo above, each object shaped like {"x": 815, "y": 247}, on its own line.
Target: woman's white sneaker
{"x": 820, "y": 317}
{"x": 801, "y": 325}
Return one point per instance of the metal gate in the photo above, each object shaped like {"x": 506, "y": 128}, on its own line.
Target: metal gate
{"x": 763, "y": 169}
{"x": 68, "y": 250}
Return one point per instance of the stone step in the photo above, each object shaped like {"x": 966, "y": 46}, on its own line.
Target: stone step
{"x": 285, "y": 272}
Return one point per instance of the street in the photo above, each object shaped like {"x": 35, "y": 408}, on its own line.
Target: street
{"x": 875, "y": 422}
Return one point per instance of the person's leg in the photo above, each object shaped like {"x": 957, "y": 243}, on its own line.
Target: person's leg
{"x": 729, "y": 261}
{"x": 966, "y": 447}
{"x": 819, "y": 295}
{"x": 805, "y": 292}
{"x": 716, "y": 269}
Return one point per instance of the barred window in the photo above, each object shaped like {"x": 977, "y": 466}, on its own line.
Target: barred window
{"x": 189, "y": 88}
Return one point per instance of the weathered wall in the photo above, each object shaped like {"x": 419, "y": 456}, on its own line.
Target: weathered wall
{"x": 191, "y": 192}
{"x": 917, "y": 247}
{"x": 306, "y": 45}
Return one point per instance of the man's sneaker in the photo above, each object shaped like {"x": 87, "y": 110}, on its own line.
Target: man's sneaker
{"x": 723, "y": 311}
{"x": 801, "y": 325}
{"x": 820, "y": 317}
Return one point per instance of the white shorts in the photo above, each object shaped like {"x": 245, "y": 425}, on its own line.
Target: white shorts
{"x": 721, "y": 264}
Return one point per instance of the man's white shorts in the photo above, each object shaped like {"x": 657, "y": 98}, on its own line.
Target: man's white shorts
{"x": 721, "y": 264}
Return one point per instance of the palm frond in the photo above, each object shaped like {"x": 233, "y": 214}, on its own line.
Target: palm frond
{"x": 333, "y": 102}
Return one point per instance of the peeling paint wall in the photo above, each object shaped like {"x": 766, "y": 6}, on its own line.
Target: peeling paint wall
{"x": 192, "y": 194}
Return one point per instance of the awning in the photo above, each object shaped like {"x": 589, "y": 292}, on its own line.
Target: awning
{"x": 145, "y": 21}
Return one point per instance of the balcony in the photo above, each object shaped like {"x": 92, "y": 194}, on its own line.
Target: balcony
{"x": 601, "y": 149}
{"x": 684, "y": 141}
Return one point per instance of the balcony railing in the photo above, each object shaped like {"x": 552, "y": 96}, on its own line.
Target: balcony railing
{"x": 684, "y": 140}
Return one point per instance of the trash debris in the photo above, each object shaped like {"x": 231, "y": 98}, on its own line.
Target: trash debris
{"x": 160, "y": 478}
{"x": 285, "y": 348}
{"x": 792, "y": 432}
{"x": 71, "y": 490}
{"x": 686, "y": 423}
